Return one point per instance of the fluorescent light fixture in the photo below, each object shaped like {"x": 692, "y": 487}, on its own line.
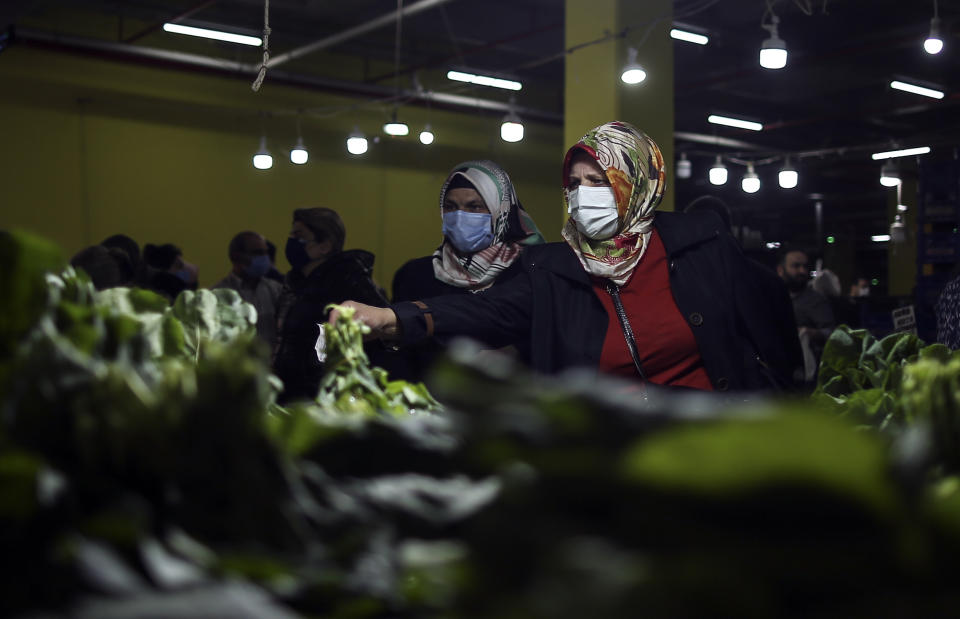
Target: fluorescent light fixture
{"x": 426, "y": 136}
{"x": 890, "y": 154}
{"x": 750, "y": 182}
{"x": 483, "y": 80}
{"x": 356, "y": 142}
{"x": 734, "y": 122}
{"x": 229, "y": 37}
{"x": 917, "y": 90}
{"x": 934, "y": 43}
{"x": 689, "y": 37}
{"x": 718, "y": 173}
{"x": 880, "y": 238}
{"x": 632, "y": 73}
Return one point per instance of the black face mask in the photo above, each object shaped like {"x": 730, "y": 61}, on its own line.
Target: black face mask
{"x": 296, "y": 252}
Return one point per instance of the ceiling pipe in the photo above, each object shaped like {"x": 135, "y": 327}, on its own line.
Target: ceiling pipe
{"x": 240, "y": 69}
{"x": 356, "y": 31}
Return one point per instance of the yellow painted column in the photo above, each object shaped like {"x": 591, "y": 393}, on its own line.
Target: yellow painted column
{"x": 593, "y": 92}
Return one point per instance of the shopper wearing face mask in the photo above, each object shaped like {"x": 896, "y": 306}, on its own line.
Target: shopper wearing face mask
{"x": 485, "y": 228}
{"x": 658, "y": 297}
{"x": 321, "y": 273}
{"x": 248, "y": 254}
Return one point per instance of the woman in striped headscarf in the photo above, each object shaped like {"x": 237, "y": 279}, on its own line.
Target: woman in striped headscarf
{"x": 485, "y": 228}
{"x": 665, "y": 298}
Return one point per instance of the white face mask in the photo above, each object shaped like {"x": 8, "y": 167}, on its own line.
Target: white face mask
{"x": 594, "y": 211}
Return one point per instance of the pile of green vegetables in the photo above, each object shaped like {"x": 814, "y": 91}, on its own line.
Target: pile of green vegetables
{"x": 146, "y": 470}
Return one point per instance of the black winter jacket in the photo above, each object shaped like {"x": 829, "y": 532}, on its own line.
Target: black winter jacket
{"x": 302, "y": 306}
{"x": 416, "y": 280}
{"x": 555, "y": 307}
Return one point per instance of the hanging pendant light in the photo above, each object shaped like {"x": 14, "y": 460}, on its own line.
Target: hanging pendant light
{"x": 889, "y": 174}
{"x": 750, "y": 182}
{"x": 262, "y": 160}
{"x": 356, "y": 142}
{"x": 773, "y": 50}
{"x": 788, "y": 176}
{"x": 718, "y": 173}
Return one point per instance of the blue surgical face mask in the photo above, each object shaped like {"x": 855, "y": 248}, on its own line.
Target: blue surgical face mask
{"x": 469, "y": 232}
{"x": 258, "y": 267}
{"x": 296, "y": 252}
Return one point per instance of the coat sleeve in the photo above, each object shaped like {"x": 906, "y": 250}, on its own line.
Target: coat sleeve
{"x": 499, "y": 316}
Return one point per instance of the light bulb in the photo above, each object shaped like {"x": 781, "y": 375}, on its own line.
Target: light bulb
{"x": 426, "y": 136}
{"x": 684, "y": 167}
{"x": 889, "y": 175}
{"x": 788, "y": 176}
{"x": 934, "y": 44}
{"x": 262, "y": 159}
{"x": 395, "y": 128}
{"x": 512, "y": 129}
{"x": 718, "y": 173}
{"x": 299, "y": 154}
{"x": 356, "y": 142}
{"x": 773, "y": 50}
{"x": 750, "y": 182}
{"x": 632, "y": 73}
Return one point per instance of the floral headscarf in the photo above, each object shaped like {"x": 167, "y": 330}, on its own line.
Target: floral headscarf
{"x": 512, "y": 229}
{"x": 634, "y": 166}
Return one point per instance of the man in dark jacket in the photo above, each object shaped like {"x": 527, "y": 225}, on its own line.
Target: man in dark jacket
{"x": 321, "y": 274}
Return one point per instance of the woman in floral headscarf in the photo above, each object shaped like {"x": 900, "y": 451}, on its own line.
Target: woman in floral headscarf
{"x": 484, "y": 230}
{"x": 662, "y": 297}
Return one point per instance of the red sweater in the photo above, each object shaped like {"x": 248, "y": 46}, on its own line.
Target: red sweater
{"x": 665, "y": 343}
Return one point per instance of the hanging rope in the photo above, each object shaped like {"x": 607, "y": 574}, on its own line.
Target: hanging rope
{"x": 266, "y": 48}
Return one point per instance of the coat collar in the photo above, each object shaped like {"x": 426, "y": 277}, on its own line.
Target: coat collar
{"x": 678, "y": 231}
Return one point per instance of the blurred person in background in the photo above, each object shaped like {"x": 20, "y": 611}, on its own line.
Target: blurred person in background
{"x": 484, "y": 229}
{"x": 948, "y": 312}
{"x": 812, "y": 311}
{"x": 108, "y": 267}
{"x": 169, "y": 274}
{"x": 273, "y": 273}
{"x": 249, "y": 256}
{"x": 772, "y": 288}
{"x": 845, "y": 311}
{"x": 132, "y": 249}
{"x": 321, "y": 273}
{"x": 660, "y": 297}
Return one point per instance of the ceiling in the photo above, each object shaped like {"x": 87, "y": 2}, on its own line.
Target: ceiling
{"x": 829, "y": 108}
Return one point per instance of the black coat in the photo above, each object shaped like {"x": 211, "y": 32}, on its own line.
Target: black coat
{"x": 302, "y": 306}
{"x": 416, "y": 280}
{"x": 555, "y": 308}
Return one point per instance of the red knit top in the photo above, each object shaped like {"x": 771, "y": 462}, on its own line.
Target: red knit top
{"x": 665, "y": 343}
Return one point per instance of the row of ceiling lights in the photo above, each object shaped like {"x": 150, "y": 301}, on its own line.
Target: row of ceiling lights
{"x": 788, "y": 177}
{"x": 773, "y": 55}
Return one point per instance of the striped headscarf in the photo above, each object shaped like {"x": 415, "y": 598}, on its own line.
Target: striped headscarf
{"x": 634, "y": 166}
{"x": 512, "y": 229}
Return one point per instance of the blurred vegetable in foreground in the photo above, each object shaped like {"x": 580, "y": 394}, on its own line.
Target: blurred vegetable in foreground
{"x": 145, "y": 470}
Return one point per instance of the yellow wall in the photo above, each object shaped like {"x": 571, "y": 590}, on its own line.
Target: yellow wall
{"x": 93, "y": 147}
